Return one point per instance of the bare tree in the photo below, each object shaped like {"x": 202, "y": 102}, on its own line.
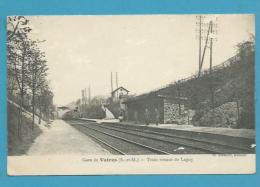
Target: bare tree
{"x": 27, "y": 67}
{"x": 15, "y": 25}
{"x": 38, "y": 72}
{"x": 45, "y": 103}
{"x": 17, "y": 63}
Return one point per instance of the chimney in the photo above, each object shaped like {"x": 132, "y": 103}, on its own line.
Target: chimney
{"x": 112, "y": 83}
{"x": 117, "y": 84}
{"x": 89, "y": 94}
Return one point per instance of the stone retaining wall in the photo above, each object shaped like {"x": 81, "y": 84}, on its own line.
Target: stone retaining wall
{"x": 171, "y": 111}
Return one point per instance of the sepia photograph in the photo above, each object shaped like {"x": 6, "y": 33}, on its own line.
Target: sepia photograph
{"x": 131, "y": 94}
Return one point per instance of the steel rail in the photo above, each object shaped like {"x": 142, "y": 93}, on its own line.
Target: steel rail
{"x": 179, "y": 137}
{"x": 167, "y": 141}
{"x": 129, "y": 141}
{"x": 105, "y": 143}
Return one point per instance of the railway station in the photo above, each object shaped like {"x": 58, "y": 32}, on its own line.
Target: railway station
{"x": 167, "y": 120}
{"x": 133, "y": 86}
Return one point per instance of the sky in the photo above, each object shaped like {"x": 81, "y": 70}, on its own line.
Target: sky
{"x": 147, "y": 51}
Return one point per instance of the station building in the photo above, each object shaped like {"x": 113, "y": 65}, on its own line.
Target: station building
{"x": 171, "y": 109}
{"x": 118, "y": 93}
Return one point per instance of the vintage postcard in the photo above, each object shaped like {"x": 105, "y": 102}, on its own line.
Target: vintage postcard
{"x": 131, "y": 94}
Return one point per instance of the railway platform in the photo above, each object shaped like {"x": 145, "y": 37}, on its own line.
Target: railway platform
{"x": 62, "y": 139}
{"x": 240, "y": 133}
{"x": 232, "y": 137}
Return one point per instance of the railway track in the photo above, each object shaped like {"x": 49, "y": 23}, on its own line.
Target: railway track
{"x": 155, "y": 145}
{"x": 106, "y": 144}
{"x": 155, "y": 142}
{"x": 212, "y": 147}
{"x": 117, "y": 144}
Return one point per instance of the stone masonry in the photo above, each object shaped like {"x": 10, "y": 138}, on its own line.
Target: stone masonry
{"x": 171, "y": 111}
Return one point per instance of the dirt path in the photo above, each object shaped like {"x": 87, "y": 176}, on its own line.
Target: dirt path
{"x": 60, "y": 139}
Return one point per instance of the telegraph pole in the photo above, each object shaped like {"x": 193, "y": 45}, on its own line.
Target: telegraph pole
{"x": 82, "y": 101}
{"x": 200, "y": 17}
{"x": 204, "y": 29}
{"x": 111, "y": 82}
{"x": 211, "y": 43}
{"x": 204, "y": 50}
{"x": 210, "y": 67}
{"x": 85, "y": 100}
{"x": 210, "y": 29}
{"x": 199, "y": 30}
{"x": 179, "y": 96}
{"x": 117, "y": 85}
{"x": 89, "y": 95}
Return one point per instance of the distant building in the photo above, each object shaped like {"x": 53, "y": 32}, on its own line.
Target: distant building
{"x": 62, "y": 110}
{"x": 171, "y": 109}
{"x": 119, "y": 93}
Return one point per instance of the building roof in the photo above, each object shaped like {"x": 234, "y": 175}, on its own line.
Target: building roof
{"x": 119, "y": 88}
{"x": 155, "y": 95}
{"x": 63, "y": 107}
